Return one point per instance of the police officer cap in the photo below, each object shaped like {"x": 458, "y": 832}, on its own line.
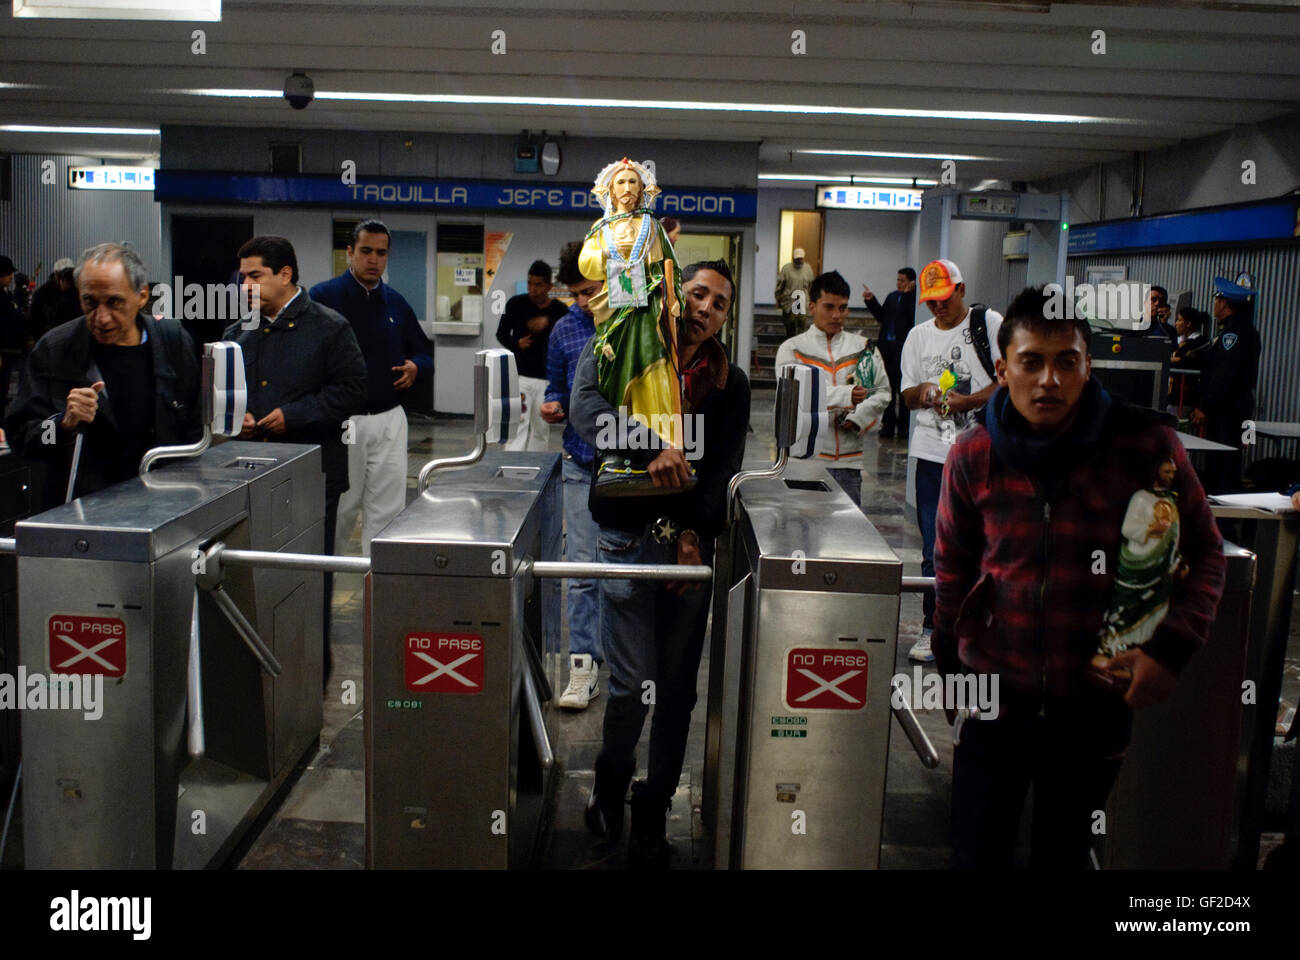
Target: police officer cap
{"x": 1241, "y": 290}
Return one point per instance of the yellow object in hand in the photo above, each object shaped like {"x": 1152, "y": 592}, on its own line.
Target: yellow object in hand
{"x": 947, "y": 381}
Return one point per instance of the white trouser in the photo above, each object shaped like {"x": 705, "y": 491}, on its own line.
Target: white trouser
{"x": 534, "y": 432}
{"x": 376, "y": 475}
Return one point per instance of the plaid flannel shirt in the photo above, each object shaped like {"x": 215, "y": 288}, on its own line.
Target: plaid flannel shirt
{"x": 569, "y": 335}
{"x": 1016, "y": 592}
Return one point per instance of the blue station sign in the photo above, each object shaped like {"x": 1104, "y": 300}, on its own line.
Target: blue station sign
{"x": 185, "y": 186}
{"x": 1272, "y": 220}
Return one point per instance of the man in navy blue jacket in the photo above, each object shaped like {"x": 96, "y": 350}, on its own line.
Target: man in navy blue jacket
{"x": 396, "y": 352}
{"x": 896, "y": 318}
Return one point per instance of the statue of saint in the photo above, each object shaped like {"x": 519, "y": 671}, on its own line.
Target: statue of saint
{"x": 1149, "y": 563}
{"x": 636, "y": 313}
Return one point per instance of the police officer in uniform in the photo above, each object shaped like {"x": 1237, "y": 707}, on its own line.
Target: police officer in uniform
{"x": 1227, "y": 396}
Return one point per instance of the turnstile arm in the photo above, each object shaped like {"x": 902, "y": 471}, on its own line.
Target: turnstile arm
{"x": 194, "y": 687}
{"x": 533, "y": 703}
{"x": 564, "y": 569}
{"x": 907, "y": 720}
{"x": 247, "y": 632}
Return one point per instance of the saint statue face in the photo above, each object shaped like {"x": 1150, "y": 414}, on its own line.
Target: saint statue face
{"x": 1166, "y": 474}
{"x": 625, "y": 189}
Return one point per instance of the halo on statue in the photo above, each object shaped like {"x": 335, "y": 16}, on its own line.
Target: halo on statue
{"x": 649, "y": 187}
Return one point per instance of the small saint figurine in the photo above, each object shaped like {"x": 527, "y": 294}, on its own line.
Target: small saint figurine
{"x": 1149, "y": 563}
{"x": 636, "y": 314}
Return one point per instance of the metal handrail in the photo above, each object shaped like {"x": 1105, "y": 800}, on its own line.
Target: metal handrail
{"x": 620, "y": 571}
{"x": 290, "y": 561}
{"x": 480, "y": 431}
{"x": 174, "y": 452}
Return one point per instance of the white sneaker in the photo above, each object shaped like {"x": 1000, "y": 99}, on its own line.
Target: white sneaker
{"x": 583, "y": 685}
{"x": 921, "y": 651}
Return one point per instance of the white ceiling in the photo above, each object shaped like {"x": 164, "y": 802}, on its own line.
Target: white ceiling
{"x": 1171, "y": 72}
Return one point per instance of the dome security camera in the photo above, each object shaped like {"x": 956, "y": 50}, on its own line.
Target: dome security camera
{"x": 299, "y": 90}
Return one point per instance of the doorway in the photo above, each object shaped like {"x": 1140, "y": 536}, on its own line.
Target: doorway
{"x": 801, "y": 228}
{"x": 204, "y": 250}
{"x": 694, "y": 247}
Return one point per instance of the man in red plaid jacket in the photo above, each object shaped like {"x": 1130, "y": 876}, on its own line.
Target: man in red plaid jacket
{"x": 1027, "y": 543}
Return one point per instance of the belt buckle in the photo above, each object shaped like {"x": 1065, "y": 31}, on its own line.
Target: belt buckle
{"x": 664, "y": 530}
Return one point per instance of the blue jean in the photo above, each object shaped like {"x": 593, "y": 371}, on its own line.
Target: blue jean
{"x": 649, "y": 634}
{"x": 850, "y": 482}
{"x": 929, "y": 478}
{"x": 580, "y": 547}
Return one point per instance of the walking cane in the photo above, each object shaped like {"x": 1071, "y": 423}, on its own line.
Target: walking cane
{"x": 76, "y": 462}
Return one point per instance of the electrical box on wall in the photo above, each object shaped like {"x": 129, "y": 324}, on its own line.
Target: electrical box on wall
{"x": 1015, "y": 245}
{"x": 286, "y": 159}
{"x": 526, "y": 157}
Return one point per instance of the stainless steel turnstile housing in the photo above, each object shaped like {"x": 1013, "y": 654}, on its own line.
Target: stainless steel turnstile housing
{"x": 806, "y": 602}
{"x": 123, "y": 791}
{"x": 458, "y": 629}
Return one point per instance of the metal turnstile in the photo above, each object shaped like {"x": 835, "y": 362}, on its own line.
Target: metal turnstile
{"x": 461, "y": 656}
{"x": 1174, "y": 804}
{"x": 805, "y": 625}
{"x": 1272, "y": 535}
{"x": 462, "y": 649}
{"x": 107, "y": 585}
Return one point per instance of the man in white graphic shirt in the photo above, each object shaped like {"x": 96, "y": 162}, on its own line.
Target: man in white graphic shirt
{"x": 947, "y": 374}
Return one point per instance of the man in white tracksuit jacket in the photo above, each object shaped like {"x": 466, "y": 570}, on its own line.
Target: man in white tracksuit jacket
{"x": 854, "y": 408}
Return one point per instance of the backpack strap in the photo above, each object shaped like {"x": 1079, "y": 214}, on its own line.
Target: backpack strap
{"x": 979, "y": 336}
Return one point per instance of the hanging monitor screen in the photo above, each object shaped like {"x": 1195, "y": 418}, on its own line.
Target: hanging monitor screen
{"x": 110, "y": 178}
{"x": 868, "y": 198}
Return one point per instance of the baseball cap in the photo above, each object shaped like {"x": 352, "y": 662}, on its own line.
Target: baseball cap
{"x": 64, "y": 263}
{"x": 797, "y": 254}
{"x": 939, "y": 279}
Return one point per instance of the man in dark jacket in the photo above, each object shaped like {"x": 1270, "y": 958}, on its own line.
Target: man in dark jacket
{"x": 652, "y": 633}
{"x": 1227, "y": 396}
{"x": 896, "y": 318}
{"x": 1037, "y": 500}
{"x": 55, "y": 301}
{"x": 396, "y": 352}
{"x": 13, "y": 330}
{"x": 525, "y": 330}
{"x": 305, "y": 373}
{"x": 124, "y": 379}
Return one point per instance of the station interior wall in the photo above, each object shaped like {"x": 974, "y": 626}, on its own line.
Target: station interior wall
{"x": 865, "y": 246}
{"x": 46, "y": 221}
{"x": 1204, "y": 172}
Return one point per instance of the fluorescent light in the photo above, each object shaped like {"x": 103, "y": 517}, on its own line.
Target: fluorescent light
{"x": 206, "y": 10}
{"x": 606, "y": 103}
{"x": 855, "y": 179}
{"x": 111, "y": 131}
{"x": 889, "y": 153}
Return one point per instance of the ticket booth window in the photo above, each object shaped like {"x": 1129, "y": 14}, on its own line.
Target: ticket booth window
{"x": 460, "y": 272}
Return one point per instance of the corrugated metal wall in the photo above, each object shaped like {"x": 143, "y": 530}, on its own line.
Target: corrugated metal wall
{"x": 1276, "y": 269}
{"x": 46, "y": 221}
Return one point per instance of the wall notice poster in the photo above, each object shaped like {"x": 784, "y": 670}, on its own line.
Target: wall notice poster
{"x": 495, "y": 245}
